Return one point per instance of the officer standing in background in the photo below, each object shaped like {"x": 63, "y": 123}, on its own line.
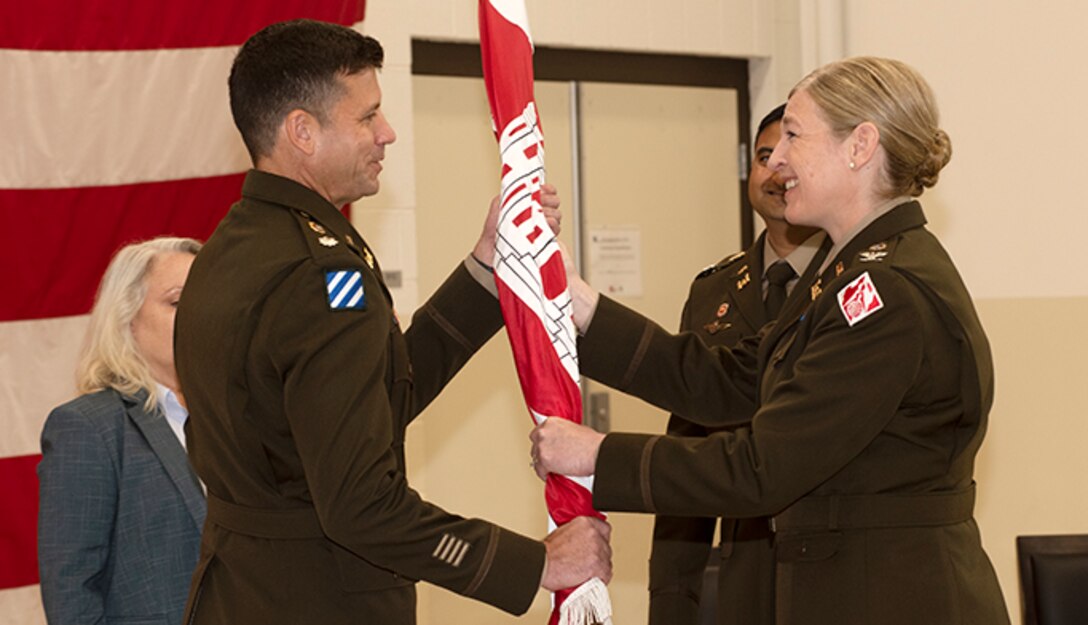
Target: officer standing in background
{"x": 728, "y": 302}
{"x": 301, "y": 384}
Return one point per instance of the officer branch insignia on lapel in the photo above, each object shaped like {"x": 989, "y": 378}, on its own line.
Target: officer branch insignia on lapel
{"x": 875, "y": 253}
{"x": 345, "y": 289}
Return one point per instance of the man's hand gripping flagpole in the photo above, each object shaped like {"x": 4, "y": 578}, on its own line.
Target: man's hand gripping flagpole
{"x": 531, "y": 278}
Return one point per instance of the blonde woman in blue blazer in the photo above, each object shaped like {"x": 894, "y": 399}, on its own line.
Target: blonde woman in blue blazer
{"x": 121, "y": 509}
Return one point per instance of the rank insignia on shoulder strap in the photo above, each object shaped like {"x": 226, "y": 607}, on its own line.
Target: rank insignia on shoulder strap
{"x": 707, "y": 271}
{"x": 345, "y": 291}
{"x": 718, "y": 266}
{"x": 732, "y": 258}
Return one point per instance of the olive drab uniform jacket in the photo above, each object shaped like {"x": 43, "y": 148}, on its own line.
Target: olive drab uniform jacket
{"x": 872, "y": 398}
{"x": 724, "y": 306}
{"x": 300, "y": 385}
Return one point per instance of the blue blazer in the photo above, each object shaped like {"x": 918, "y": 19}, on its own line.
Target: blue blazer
{"x": 120, "y": 516}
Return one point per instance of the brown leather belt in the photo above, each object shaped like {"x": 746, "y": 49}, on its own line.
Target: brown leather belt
{"x": 291, "y": 523}
{"x": 877, "y": 511}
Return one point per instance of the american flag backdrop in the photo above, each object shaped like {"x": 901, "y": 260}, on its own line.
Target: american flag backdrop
{"x": 116, "y": 128}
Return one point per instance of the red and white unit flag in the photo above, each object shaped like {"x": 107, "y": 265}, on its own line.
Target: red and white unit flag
{"x": 529, "y": 272}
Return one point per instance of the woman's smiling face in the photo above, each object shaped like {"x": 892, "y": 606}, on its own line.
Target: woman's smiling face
{"x": 812, "y": 163}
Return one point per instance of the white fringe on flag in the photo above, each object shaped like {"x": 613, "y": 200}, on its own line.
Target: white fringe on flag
{"x": 587, "y": 605}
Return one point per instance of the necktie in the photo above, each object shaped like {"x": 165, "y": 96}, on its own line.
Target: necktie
{"x": 778, "y": 275}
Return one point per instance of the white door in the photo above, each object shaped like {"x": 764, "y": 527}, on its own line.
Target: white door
{"x": 660, "y": 166}
{"x": 659, "y": 161}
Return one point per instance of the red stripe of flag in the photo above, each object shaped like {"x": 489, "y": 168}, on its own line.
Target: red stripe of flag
{"x": 19, "y": 521}
{"x": 56, "y": 243}
{"x": 113, "y": 25}
{"x": 507, "y": 56}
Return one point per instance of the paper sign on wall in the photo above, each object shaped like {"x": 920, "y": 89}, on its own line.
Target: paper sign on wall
{"x": 615, "y": 260}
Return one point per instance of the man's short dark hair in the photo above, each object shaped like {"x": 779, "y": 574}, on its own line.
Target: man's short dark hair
{"x": 293, "y": 65}
{"x": 770, "y": 118}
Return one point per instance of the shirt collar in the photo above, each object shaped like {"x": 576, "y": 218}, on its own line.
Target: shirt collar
{"x": 799, "y": 258}
{"x": 170, "y": 406}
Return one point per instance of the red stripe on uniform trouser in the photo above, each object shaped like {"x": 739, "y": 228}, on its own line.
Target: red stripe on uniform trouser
{"x": 19, "y": 521}
{"x": 135, "y": 25}
{"x": 56, "y": 243}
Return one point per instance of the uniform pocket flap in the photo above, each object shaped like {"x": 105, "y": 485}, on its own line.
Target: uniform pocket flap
{"x": 358, "y": 575}
{"x": 807, "y": 547}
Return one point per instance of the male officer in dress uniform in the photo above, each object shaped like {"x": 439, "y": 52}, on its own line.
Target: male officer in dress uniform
{"x": 301, "y": 384}
{"x": 728, "y": 302}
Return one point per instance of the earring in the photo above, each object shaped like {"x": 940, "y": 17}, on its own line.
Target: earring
{"x": 852, "y": 164}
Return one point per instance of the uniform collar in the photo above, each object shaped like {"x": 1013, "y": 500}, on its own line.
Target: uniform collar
{"x": 274, "y": 189}
{"x": 871, "y": 218}
{"x": 270, "y": 188}
{"x": 887, "y": 224}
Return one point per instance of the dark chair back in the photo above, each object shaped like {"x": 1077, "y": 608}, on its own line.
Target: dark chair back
{"x": 1053, "y": 579}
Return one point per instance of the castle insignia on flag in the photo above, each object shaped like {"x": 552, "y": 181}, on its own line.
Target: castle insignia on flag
{"x": 345, "y": 289}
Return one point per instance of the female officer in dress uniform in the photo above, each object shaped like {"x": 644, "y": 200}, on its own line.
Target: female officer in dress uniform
{"x": 872, "y": 389}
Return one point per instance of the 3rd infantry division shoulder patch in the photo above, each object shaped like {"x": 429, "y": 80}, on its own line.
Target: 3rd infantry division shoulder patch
{"x": 345, "y": 289}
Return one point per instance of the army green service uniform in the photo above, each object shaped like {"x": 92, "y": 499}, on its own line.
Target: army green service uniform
{"x": 724, "y": 306}
{"x": 873, "y": 396}
{"x": 300, "y": 385}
